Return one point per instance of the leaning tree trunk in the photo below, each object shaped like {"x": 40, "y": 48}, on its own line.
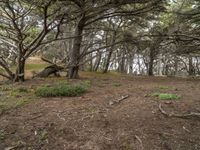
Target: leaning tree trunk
{"x": 75, "y": 52}
{"x": 107, "y": 61}
{"x": 97, "y": 62}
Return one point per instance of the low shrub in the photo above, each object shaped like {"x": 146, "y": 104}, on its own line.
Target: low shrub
{"x": 60, "y": 90}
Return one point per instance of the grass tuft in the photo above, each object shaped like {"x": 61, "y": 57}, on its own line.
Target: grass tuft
{"x": 163, "y": 87}
{"x": 165, "y": 96}
{"x": 35, "y": 66}
{"x": 2, "y": 135}
{"x": 22, "y": 90}
{"x": 168, "y": 96}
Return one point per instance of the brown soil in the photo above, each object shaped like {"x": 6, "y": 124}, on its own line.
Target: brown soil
{"x": 90, "y": 123}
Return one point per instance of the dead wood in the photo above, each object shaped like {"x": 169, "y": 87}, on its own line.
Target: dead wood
{"x": 140, "y": 141}
{"x": 48, "y": 61}
{"x": 184, "y": 116}
{"x": 118, "y": 100}
{"x": 49, "y": 70}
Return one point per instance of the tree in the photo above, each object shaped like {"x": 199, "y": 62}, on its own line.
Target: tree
{"x": 88, "y": 12}
{"x": 24, "y": 28}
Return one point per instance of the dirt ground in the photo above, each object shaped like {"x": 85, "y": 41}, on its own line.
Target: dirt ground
{"x": 89, "y": 122}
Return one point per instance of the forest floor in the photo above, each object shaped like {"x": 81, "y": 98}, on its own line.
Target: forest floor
{"x": 96, "y": 121}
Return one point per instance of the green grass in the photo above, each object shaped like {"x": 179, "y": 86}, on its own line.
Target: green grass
{"x": 166, "y": 96}
{"x": 2, "y": 135}
{"x": 22, "y": 90}
{"x": 18, "y": 92}
{"x": 12, "y": 102}
{"x": 35, "y": 66}
{"x": 12, "y": 97}
{"x": 86, "y": 83}
{"x": 163, "y": 87}
{"x": 1, "y": 70}
{"x": 29, "y": 67}
{"x": 61, "y": 89}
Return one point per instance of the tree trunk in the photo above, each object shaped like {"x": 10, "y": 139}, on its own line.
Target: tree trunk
{"x": 130, "y": 61}
{"x": 20, "y": 71}
{"x": 91, "y": 63}
{"x": 107, "y": 61}
{"x": 191, "y": 67}
{"x": 121, "y": 68}
{"x": 75, "y": 52}
{"x": 110, "y": 53}
{"x": 150, "y": 66}
{"x": 175, "y": 66}
{"x": 97, "y": 62}
{"x": 167, "y": 70}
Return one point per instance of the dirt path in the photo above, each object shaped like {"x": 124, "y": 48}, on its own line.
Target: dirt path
{"x": 90, "y": 123}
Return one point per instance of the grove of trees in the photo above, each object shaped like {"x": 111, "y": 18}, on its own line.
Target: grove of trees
{"x": 140, "y": 37}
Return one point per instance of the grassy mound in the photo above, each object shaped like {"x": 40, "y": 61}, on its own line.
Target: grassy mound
{"x": 61, "y": 90}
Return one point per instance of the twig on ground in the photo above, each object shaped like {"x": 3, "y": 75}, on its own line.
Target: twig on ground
{"x": 184, "y": 128}
{"x": 34, "y": 117}
{"x": 118, "y": 100}
{"x": 86, "y": 117}
{"x": 74, "y": 131}
{"x": 184, "y": 116}
{"x": 11, "y": 148}
{"x": 140, "y": 141}
{"x": 109, "y": 139}
{"x": 58, "y": 114}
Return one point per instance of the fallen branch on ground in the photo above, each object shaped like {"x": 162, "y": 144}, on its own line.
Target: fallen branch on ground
{"x": 118, "y": 100}
{"x": 184, "y": 116}
{"x": 140, "y": 141}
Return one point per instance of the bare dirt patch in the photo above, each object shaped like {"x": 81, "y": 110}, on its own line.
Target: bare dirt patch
{"x": 89, "y": 122}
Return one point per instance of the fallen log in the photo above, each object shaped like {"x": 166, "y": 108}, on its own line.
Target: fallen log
{"x": 49, "y": 70}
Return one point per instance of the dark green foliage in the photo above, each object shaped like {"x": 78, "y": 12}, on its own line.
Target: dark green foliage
{"x": 61, "y": 90}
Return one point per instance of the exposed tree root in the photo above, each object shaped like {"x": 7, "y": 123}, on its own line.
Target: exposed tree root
{"x": 184, "y": 116}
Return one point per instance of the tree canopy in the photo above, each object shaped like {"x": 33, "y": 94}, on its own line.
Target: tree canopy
{"x": 155, "y": 37}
